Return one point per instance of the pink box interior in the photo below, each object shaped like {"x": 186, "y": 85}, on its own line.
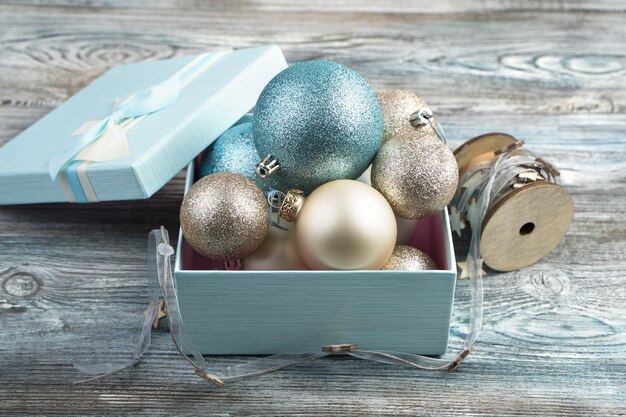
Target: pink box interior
{"x": 428, "y": 237}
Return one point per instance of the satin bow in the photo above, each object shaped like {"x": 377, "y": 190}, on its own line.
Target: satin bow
{"x": 139, "y": 104}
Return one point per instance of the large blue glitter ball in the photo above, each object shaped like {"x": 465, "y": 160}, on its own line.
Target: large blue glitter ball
{"x": 321, "y": 121}
{"x": 234, "y": 151}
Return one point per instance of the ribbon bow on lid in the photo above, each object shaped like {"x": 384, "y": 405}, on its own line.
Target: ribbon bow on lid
{"x": 107, "y": 140}
{"x": 138, "y": 104}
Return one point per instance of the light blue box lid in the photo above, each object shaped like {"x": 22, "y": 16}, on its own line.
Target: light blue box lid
{"x": 159, "y": 145}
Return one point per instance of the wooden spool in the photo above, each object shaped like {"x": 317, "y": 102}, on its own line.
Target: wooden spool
{"x": 482, "y": 148}
{"x": 524, "y": 224}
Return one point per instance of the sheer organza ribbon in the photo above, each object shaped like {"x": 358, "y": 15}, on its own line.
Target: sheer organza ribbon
{"x": 161, "y": 286}
{"x": 500, "y": 176}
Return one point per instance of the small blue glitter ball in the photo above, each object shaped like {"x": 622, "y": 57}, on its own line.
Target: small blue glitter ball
{"x": 234, "y": 151}
{"x": 321, "y": 121}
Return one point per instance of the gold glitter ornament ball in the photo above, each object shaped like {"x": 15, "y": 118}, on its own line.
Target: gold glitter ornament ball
{"x": 408, "y": 258}
{"x": 224, "y": 216}
{"x": 397, "y": 107}
{"x": 417, "y": 175}
{"x": 345, "y": 224}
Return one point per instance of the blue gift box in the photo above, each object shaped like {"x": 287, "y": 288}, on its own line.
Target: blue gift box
{"x": 267, "y": 312}
{"x": 177, "y": 108}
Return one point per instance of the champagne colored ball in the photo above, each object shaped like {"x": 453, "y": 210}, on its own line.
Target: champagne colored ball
{"x": 408, "y": 258}
{"x": 278, "y": 252}
{"x": 321, "y": 121}
{"x": 224, "y": 216}
{"x": 417, "y": 175}
{"x": 234, "y": 151}
{"x": 397, "y": 107}
{"x": 345, "y": 224}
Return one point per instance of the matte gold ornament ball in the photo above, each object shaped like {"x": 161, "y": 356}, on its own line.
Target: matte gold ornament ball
{"x": 224, "y": 216}
{"x": 345, "y": 224}
{"x": 417, "y": 175}
{"x": 408, "y": 258}
{"x": 278, "y": 252}
{"x": 397, "y": 107}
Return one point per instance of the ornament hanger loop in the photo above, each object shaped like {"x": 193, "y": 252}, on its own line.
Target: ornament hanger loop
{"x": 425, "y": 116}
{"x": 422, "y": 117}
{"x": 275, "y": 199}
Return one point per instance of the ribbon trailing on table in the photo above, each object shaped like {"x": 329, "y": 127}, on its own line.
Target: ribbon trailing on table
{"x": 161, "y": 287}
{"x": 106, "y": 139}
{"x": 163, "y": 294}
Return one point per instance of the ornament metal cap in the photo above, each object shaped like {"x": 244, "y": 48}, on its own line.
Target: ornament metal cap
{"x": 267, "y": 166}
{"x": 425, "y": 116}
{"x": 291, "y": 205}
{"x": 422, "y": 117}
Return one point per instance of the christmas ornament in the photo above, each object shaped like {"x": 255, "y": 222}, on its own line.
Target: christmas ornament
{"x": 224, "y": 216}
{"x": 278, "y": 252}
{"x": 401, "y": 111}
{"x": 408, "y": 258}
{"x": 234, "y": 151}
{"x": 317, "y": 121}
{"x": 406, "y": 227}
{"x": 343, "y": 224}
{"x": 417, "y": 175}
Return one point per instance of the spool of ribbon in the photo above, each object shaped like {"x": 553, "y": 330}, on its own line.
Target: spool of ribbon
{"x": 106, "y": 139}
{"x": 528, "y": 213}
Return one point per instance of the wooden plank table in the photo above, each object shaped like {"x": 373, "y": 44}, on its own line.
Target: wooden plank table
{"x": 72, "y": 283}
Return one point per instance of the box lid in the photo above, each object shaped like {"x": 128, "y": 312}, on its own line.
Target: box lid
{"x": 215, "y": 90}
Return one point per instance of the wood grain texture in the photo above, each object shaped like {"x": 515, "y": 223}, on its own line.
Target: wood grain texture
{"x": 553, "y": 73}
{"x": 525, "y": 225}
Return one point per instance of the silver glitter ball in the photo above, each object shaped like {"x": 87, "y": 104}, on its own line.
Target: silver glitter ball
{"x": 224, "y": 216}
{"x": 417, "y": 175}
{"x": 321, "y": 121}
{"x": 408, "y": 258}
{"x": 397, "y": 107}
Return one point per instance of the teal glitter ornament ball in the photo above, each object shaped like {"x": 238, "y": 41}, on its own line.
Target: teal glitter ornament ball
{"x": 234, "y": 151}
{"x": 321, "y": 121}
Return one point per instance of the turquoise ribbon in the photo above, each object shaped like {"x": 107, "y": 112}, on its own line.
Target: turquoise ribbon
{"x": 74, "y": 182}
{"x": 141, "y": 103}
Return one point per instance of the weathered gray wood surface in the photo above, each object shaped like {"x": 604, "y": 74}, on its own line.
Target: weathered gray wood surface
{"x": 550, "y": 72}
